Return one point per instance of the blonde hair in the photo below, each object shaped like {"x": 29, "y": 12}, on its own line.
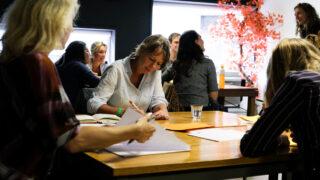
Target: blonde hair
{"x": 96, "y": 46}
{"x": 288, "y": 56}
{"x": 36, "y": 26}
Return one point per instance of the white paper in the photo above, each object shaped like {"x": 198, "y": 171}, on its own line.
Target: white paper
{"x": 162, "y": 141}
{"x": 217, "y": 134}
{"x": 84, "y": 117}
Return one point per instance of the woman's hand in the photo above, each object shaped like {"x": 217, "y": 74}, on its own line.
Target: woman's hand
{"x": 145, "y": 129}
{"x": 161, "y": 114}
{"x": 160, "y": 111}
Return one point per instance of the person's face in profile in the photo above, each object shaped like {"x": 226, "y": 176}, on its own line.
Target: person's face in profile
{"x": 100, "y": 55}
{"x": 86, "y": 55}
{"x": 175, "y": 43}
{"x": 200, "y": 42}
{"x": 66, "y": 35}
{"x": 150, "y": 62}
{"x": 301, "y": 16}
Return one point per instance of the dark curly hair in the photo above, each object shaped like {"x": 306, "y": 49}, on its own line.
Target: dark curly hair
{"x": 313, "y": 21}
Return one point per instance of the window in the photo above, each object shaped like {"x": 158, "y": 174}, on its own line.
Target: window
{"x": 175, "y": 16}
{"x": 86, "y": 35}
{"x": 89, "y": 36}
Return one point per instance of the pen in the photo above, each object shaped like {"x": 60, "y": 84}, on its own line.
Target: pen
{"x": 133, "y": 104}
{"x": 150, "y": 120}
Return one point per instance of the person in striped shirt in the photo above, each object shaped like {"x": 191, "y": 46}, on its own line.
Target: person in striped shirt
{"x": 292, "y": 99}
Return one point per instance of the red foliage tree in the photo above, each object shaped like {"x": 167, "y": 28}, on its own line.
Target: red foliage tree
{"x": 251, "y": 32}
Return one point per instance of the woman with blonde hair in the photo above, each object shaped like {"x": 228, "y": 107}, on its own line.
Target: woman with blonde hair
{"x": 136, "y": 78}
{"x": 97, "y": 63}
{"x": 293, "y": 98}
{"x": 37, "y": 119}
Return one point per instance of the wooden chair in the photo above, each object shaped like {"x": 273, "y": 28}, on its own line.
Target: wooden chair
{"x": 172, "y": 97}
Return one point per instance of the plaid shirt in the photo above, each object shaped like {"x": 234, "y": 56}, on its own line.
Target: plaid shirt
{"x": 296, "y": 103}
{"x": 36, "y": 116}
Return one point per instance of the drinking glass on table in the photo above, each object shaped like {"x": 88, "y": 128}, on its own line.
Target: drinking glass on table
{"x": 196, "y": 111}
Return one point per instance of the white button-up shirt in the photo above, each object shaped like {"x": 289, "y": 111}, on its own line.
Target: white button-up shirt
{"x": 116, "y": 89}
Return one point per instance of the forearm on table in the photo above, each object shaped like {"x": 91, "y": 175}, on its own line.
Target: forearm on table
{"x": 95, "y": 138}
{"x": 107, "y": 109}
{"x": 159, "y": 107}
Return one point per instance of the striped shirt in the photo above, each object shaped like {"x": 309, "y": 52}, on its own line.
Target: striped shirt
{"x": 295, "y": 103}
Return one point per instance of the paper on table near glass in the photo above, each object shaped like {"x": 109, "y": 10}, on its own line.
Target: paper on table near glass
{"x": 162, "y": 141}
{"x": 217, "y": 134}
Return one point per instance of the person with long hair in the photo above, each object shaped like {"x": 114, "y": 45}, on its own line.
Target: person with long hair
{"x": 194, "y": 75}
{"x": 307, "y": 20}
{"x": 136, "y": 78}
{"x": 37, "y": 119}
{"x": 75, "y": 76}
{"x": 292, "y": 98}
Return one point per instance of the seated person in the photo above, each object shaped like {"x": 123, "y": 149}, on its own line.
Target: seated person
{"x": 292, "y": 98}
{"x": 75, "y": 75}
{"x": 137, "y": 78}
{"x": 194, "y": 76}
{"x": 37, "y": 119}
{"x": 98, "y": 63}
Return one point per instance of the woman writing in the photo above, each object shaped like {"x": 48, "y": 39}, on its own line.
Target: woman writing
{"x": 36, "y": 117}
{"x": 136, "y": 78}
{"x": 292, "y": 98}
{"x": 194, "y": 75}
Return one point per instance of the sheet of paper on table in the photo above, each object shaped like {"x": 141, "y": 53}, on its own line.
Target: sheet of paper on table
{"x": 162, "y": 141}
{"x": 217, "y": 134}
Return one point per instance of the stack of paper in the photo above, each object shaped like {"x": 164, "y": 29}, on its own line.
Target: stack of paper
{"x": 217, "y": 134}
{"x": 162, "y": 141}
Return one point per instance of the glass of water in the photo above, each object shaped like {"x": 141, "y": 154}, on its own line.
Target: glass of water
{"x": 196, "y": 111}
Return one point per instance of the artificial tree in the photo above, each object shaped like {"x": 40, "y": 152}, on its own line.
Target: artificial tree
{"x": 251, "y": 31}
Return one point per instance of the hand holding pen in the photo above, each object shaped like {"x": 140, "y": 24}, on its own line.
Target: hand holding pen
{"x": 136, "y": 108}
{"x": 147, "y": 129}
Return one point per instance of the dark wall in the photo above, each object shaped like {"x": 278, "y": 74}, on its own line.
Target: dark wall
{"x": 131, "y": 19}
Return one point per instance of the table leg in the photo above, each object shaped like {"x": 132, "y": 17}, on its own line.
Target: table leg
{"x": 251, "y": 105}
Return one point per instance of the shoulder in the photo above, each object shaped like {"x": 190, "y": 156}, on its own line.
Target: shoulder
{"x": 38, "y": 62}
{"x": 305, "y": 78}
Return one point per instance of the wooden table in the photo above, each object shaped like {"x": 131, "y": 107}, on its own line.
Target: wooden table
{"x": 233, "y": 90}
{"x": 207, "y": 159}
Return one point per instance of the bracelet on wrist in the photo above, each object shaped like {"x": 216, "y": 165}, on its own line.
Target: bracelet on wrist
{"x": 119, "y": 112}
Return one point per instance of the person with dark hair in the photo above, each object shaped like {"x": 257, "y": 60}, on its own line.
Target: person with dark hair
{"x": 291, "y": 100}
{"x": 307, "y": 20}
{"x": 75, "y": 75}
{"x": 194, "y": 75}
{"x": 137, "y": 78}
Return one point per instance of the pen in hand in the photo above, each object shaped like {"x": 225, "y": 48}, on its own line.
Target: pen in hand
{"x": 150, "y": 120}
{"x": 133, "y": 104}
